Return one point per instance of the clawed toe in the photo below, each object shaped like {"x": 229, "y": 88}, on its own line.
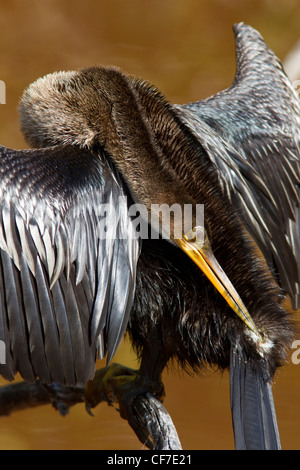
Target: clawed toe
{"x": 104, "y": 386}
{"x": 122, "y": 385}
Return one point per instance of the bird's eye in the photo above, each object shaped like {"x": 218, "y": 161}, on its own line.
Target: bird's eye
{"x": 196, "y": 235}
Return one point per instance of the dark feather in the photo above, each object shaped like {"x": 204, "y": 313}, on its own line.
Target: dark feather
{"x": 35, "y": 329}
{"x": 53, "y": 308}
{"x": 252, "y": 405}
{"x": 253, "y": 130}
{"x": 15, "y": 317}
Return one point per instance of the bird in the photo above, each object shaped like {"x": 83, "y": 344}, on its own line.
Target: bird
{"x": 82, "y": 262}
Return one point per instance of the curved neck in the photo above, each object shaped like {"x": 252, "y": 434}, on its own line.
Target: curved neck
{"x": 183, "y": 153}
{"x": 129, "y": 139}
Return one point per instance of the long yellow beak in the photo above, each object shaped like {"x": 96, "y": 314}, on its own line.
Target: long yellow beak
{"x": 201, "y": 253}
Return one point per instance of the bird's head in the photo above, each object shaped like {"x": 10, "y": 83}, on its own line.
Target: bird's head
{"x": 67, "y": 108}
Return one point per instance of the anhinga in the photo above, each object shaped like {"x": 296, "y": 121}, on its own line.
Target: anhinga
{"x": 66, "y": 293}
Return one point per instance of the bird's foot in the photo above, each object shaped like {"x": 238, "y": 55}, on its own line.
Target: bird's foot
{"x": 124, "y": 386}
{"x": 120, "y": 384}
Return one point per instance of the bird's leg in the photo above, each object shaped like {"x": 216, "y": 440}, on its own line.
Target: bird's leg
{"x": 148, "y": 377}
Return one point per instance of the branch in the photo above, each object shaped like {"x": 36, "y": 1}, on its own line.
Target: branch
{"x": 152, "y": 415}
{"x": 150, "y": 420}
{"x": 22, "y": 395}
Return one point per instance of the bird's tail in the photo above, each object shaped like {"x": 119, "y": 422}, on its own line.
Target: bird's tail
{"x": 252, "y": 406}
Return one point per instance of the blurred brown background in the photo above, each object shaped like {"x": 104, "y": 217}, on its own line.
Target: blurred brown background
{"x": 186, "y": 48}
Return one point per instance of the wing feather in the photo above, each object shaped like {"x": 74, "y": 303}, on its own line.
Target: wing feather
{"x": 251, "y": 133}
{"x": 65, "y": 289}
{"x": 15, "y": 316}
{"x": 35, "y": 331}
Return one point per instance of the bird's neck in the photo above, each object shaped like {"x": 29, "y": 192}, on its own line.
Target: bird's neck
{"x": 183, "y": 154}
{"x": 127, "y": 135}
{"x": 132, "y": 145}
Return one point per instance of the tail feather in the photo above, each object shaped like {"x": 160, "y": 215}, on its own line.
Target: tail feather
{"x": 252, "y": 406}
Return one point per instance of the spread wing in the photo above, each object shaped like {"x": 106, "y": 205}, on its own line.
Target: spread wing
{"x": 251, "y": 133}
{"x": 68, "y": 257}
